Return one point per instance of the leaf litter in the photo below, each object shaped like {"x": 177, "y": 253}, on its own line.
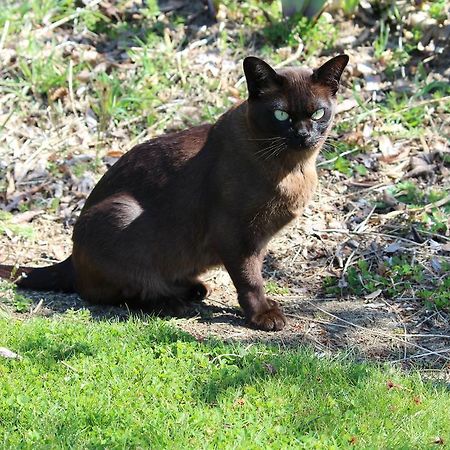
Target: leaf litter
{"x": 356, "y": 264}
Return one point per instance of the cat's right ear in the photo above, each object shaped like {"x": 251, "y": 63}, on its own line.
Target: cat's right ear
{"x": 260, "y": 76}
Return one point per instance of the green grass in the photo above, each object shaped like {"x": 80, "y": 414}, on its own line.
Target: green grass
{"x": 393, "y": 275}
{"x": 141, "y": 384}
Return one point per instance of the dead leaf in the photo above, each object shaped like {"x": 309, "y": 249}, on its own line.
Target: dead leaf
{"x": 7, "y": 353}
{"x": 25, "y": 217}
{"x": 58, "y": 93}
{"x": 373, "y": 294}
{"x": 439, "y": 440}
{"x": 346, "y": 105}
{"x": 115, "y": 153}
{"x": 385, "y": 146}
{"x": 392, "y": 248}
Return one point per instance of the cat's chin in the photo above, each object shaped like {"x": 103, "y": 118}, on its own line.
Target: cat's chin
{"x": 302, "y": 148}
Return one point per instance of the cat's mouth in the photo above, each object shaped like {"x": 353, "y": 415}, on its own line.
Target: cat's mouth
{"x": 301, "y": 143}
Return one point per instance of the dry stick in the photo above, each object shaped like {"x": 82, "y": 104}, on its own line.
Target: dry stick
{"x": 379, "y": 333}
{"x": 312, "y": 319}
{"x": 326, "y": 322}
{"x": 4, "y": 34}
{"x": 361, "y": 226}
{"x": 69, "y": 366}
{"x": 438, "y": 204}
{"x": 421, "y": 355}
{"x": 294, "y": 56}
{"x": 329, "y": 161}
{"x": 343, "y": 231}
{"x": 70, "y": 82}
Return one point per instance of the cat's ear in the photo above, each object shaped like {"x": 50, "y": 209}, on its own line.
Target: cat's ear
{"x": 260, "y": 76}
{"x": 330, "y": 73}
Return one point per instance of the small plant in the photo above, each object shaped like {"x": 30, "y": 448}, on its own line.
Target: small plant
{"x": 11, "y": 298}
{"x": 380, "y": 44}
{"x": 272, "y": 287}
{"x": 438, "y": 9}
{"x": 7, "y": 226}
{"x": 392, "y": 276}
{"x": 318, "y": 35}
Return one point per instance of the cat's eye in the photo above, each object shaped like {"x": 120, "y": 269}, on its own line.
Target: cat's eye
{"x": 281, "y": 115}
{"x": 317, "y": 115}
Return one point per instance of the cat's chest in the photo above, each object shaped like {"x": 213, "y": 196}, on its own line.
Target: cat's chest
{"x": 286, "y": 201}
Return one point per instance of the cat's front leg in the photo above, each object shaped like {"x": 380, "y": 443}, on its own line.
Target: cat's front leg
{"x": 245, "y": 271}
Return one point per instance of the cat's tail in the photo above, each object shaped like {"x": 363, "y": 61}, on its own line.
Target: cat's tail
{"x": 59, "y": 277}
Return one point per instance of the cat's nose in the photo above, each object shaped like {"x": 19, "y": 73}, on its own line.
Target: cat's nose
{"x": 301, "y": 133}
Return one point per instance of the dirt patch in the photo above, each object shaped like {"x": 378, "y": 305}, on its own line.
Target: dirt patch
{"x": 365, "y": 269}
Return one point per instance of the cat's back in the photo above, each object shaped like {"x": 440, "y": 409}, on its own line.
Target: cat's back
{"x": 152, "y": 164}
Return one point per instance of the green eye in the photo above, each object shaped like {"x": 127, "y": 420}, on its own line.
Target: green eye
{"x": 316, "y": 115}
{"x": 281, "y": 115}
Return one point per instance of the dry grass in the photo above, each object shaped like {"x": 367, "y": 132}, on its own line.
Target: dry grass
{"x": 366, "y": 267}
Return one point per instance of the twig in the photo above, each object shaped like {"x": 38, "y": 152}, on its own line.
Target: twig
{"x": 70, "y": 81}
{"x": 343, "y": 231}
{"x": 69, "y": 366}
{"x": 431, "y": 352}
{"x": 225, "y": 355}
{"x": 368, "y": 330}
{"x": 360, "y": 228}
{"x": 312, "y": 319}
{"x": 294, "y": 56}
{"x": 4, "y": 34}
{"x": 328, "y": 161}
{"x": 438, "y": 204}
{"x": 70, "y": 17}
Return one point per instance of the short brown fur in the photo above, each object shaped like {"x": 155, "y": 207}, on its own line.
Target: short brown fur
{"x": 177, "y": 205}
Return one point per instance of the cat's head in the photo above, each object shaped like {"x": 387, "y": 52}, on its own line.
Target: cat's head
{"x": 294, "y": 105}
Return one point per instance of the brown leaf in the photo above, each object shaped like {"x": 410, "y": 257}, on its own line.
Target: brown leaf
{"x": 115, "y": 153}
{"x": 26, "y": 216}
{"x": 58, "y": 93}
{"x": 391, "y": 385}
{"x": 439, "y": 440}
{"x": 373, "y": 294}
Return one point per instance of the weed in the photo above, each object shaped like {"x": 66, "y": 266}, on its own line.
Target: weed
{"x": 392, "y": 276}
{"x": 8, "y": 227}
{"x": 380, "y": 44}
{"x": 84, "y": 383}
{"x": 272, "y": 287}
{"x": 9, "y": 297}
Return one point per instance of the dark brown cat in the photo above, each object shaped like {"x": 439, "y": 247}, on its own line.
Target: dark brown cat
{"x": 182, "y": 203}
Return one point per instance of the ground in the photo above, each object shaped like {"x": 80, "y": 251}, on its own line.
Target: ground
{"x": 364, "y": 270}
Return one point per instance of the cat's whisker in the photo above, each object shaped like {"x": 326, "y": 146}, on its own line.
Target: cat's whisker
{"x": 266, "y": 139}
{"x": 276, "y": 151}
{"x": 267, "y": 149}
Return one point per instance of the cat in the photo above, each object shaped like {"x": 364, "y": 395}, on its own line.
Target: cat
{"x": 211, "y": 195}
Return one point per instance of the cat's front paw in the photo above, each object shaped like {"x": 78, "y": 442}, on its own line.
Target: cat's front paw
{"x": 272, "y": 319}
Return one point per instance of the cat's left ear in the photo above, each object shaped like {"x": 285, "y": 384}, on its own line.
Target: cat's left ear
{"x": 330, "y": 73}
{"x": 260, "y": 76}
